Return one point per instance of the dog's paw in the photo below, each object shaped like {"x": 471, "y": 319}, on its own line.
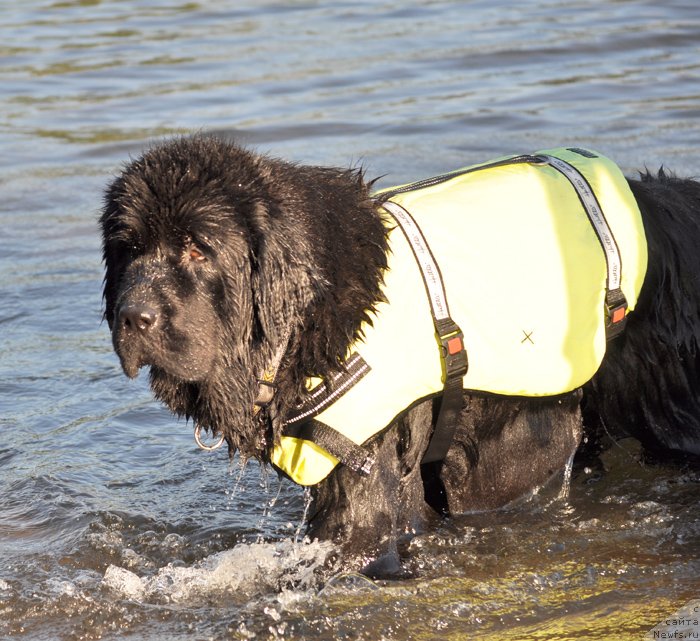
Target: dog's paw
{"x": 387, "y": 566}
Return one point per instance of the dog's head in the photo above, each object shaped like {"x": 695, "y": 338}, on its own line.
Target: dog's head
{"x": 202, "y": 272}
{"x": 164, "y": 224}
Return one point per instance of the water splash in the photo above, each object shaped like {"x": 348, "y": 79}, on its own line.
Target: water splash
{"x": 245, "y": 571}
{"x": 269, "y": 504}
{"x": 241, "y": 464}
{"x": 566, "y": 480}
{"x": 307, "y": 505}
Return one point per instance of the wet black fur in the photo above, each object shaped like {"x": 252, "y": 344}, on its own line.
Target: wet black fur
{"x": 649, "y": 384}
{"x": 221, "y": 250}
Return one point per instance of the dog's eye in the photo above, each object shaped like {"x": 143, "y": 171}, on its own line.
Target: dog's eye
{"x": 195, "y": 254}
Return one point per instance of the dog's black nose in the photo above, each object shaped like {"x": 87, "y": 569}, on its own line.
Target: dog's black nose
{"x": 137, "y": 318}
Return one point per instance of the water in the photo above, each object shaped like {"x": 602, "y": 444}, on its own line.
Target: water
{"x": 113, "y": 525}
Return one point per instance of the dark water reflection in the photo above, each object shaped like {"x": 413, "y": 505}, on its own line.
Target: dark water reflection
{"x": 112, "y": 524}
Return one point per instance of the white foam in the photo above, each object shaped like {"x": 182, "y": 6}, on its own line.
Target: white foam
{"x": 245, "y": 570}
{"x": 124, "y": 582}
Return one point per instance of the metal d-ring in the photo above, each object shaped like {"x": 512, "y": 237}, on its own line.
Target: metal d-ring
{"x": 204, "y": 446}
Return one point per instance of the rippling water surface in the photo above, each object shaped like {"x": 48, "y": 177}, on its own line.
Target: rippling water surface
{"x": 112, "y": 524}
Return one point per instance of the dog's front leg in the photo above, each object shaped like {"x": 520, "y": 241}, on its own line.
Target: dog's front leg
{"x": 368, "y": 515}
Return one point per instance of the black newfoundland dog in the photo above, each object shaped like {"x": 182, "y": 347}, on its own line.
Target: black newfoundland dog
{"x": 221, "y": 263}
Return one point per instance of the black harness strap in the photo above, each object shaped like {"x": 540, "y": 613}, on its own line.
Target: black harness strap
{"x": 302, "y": 424}
{"x": 454, "y": 368}
{"x": 346, "y": 451}
{"x": 453, "y": 356}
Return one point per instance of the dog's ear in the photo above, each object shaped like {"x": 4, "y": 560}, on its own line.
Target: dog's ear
{"x": 283, "y": 279}
{"x": 111, "y": 258}
{"x": 109, "y": 293}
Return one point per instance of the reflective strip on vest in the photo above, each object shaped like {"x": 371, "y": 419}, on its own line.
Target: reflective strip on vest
{"x": 525, "y": 275}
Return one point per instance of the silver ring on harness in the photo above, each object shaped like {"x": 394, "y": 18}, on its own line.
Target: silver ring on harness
{"x": 202, "y": 444}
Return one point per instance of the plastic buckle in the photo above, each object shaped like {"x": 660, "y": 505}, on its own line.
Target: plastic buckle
{"x": 615, "y": 313}
{"x": 615, "y": 307}
{"x": 454, "y": 356}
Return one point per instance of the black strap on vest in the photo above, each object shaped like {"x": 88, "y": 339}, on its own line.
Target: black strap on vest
{"x": 345, "y": 450}
{"x": 302, "y": 424}
{"x": 615, "y": 301}
{"x": 453, "y": 356}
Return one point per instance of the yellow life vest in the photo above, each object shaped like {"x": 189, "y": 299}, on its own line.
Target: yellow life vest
{"x": 526, "y": 265}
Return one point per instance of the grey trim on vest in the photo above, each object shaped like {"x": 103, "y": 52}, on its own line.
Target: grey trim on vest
{"x": 355, "y": 368}
{"x": 614, "y": 297}
{"x": 454, "y": 362}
